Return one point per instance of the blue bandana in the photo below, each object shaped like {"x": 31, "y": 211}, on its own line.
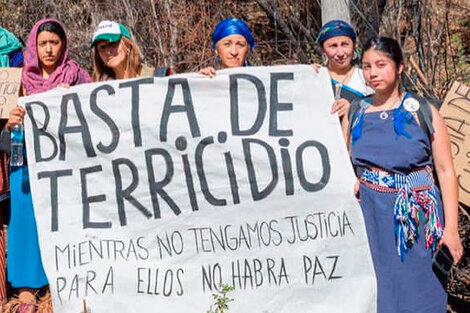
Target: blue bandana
{"x": 335, "y": 28}
{"x": 232, "y": 26}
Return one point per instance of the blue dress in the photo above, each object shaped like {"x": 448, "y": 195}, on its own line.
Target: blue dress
{"x": 24, "y": 266}
{"x": 411, "y": 285}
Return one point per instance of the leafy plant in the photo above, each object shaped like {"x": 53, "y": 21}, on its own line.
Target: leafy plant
{"x": 221, "y": 299}
{"x": 459, "y": 56}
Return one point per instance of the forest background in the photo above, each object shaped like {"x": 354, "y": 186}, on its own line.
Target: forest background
{"x": 435, "y": 35}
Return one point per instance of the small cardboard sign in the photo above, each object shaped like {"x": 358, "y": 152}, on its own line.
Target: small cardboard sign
{"x": 10, "y": 80}
{"x": 456, "y": 113}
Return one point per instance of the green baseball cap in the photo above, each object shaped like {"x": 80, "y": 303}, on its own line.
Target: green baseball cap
{"x": 109, "y": 31}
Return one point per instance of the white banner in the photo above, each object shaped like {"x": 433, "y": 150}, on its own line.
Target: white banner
{"x": 150, "y": 193}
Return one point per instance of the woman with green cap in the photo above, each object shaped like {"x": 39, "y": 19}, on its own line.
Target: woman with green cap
{"x": 117, "y": 56}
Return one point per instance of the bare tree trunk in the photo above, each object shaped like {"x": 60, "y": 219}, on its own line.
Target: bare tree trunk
{"x": 159, "y": 33}
{"x": 335, "y": 10}
{"x": 271, "y": 9}
{"x": 370, "y": 14}
{"x": 173, "y": 34}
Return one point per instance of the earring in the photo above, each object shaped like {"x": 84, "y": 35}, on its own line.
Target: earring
{"x": 355, "y": 56}
{"x": 324, "y": 59}
{"x": 217, "y": 61}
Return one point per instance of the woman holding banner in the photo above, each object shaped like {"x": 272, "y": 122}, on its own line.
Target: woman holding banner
{"x": 117, "y": 56}
{"x": 397, "y": 142}
{"x": 337, "y": 40}
{"x": 232, "y": 40}
{"x": 46, "y": 66}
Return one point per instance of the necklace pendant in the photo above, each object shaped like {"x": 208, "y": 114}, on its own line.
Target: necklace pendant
{"x": 384, "y": 115}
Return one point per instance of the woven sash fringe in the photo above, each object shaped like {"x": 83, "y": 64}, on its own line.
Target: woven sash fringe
{"x": 415, "y": 193}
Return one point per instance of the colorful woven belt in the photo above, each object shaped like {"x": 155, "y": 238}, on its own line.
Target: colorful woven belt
{"x": 414, "y": 192}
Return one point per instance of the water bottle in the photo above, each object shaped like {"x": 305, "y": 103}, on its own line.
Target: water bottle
{"x": 17, "y": 136}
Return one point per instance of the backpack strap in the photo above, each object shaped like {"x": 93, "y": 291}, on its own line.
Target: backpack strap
{"x": 356, "y": 105}
{"x": 424, "y": 115}
{"x": 162, "y": 71}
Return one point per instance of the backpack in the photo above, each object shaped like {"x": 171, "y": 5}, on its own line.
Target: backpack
{"x": 162, "y": 71}
{"x": 424, "y": 113}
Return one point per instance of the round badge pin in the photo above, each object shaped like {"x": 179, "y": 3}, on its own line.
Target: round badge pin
{"x": 411, "y": 105}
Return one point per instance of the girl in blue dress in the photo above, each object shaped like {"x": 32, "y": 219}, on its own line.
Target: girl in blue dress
{"x": 395, "y": 160}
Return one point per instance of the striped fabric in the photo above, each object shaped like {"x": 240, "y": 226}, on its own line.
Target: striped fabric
{"x": 415, "y": 193}
{"x": 4, "y": 194}
{"x": 4, "y": 176}
{"x": 3, "y": 265}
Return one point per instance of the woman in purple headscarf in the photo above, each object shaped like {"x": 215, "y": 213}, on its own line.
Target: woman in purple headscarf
{"x": 232, "y": 40}
{"x": 46, "y": 66}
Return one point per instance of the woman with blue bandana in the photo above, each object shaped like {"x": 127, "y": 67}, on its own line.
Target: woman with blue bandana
{"x": 337, "y": 41}
{"x": 231, "y": 40}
